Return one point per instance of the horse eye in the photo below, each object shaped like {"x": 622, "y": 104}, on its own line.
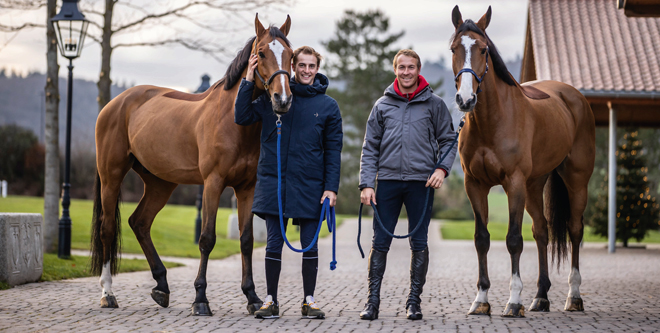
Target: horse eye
{"x": 452, "y": 51}
{"x": 483, "y": 51}
{"x": 261, "y": 55}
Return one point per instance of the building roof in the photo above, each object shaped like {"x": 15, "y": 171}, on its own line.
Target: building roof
{"x": 593, "y": 46}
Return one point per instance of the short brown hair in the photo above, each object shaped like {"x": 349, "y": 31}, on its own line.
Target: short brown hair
{"x": 409, "y": 53}
{"x": 307, "y": 50}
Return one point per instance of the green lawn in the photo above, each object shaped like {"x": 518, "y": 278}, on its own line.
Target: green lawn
{"x": 172, "y": 231}
{"x": 498, "y": 225}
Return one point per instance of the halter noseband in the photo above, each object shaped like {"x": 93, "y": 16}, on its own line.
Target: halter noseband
{"x": 267, "y": 83}
{"x": 469, "y": 70}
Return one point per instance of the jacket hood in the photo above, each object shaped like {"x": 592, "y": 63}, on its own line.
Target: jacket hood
{"x": 319, "y": 86}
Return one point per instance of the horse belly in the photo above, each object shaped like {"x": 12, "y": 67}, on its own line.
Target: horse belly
{"x": 166, "y": 145}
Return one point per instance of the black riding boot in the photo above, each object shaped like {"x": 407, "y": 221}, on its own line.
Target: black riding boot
{"x": 419, "y": 264}
{"x": 377, "y": 261}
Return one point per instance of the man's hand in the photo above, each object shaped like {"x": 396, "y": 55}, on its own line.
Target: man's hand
{"x": 330, "y": 195}
{"x": 436, "y": 179}
{"x": 367, "y": 196}
{"x": 252, "y": 64}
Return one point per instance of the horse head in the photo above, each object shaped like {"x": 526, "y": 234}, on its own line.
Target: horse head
{"x": 274, "y": 67}
{"x": 470, "y": 50}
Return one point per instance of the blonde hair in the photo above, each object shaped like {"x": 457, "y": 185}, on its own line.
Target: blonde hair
{"x": 409, "y": 53}
{"x": 307, "y": 50}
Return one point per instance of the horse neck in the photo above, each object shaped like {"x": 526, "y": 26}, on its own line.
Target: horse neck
{"x": 493, "y": 111}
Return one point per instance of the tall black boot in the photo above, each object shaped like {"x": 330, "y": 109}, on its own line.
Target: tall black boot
{"x": 419, "y": 265}
{"x": 377, "y": 261}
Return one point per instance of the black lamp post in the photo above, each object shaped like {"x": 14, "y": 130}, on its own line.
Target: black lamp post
{"x": 71, "y": 27}
{"x": 206, "y": 84}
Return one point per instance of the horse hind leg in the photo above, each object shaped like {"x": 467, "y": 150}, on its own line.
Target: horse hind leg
{"x": 245, "y": 197}
{"x": 156, "y": 194}
{"x": 106, "y": 233}
{"x": 578, "y": 202}
{"x": 534, "y": 205}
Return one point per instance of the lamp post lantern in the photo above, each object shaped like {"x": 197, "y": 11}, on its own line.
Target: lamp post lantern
{"x": 71, "y": 27}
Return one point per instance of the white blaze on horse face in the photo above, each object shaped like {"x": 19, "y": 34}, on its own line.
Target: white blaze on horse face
{"x": 574, "y": 281}
{"x": 465, "y": 91}
{"x": 482, "y": 296}
{"x": 106, "y": 280}
{"x": 278, "y": 50}
{"x": 515, "y": 289}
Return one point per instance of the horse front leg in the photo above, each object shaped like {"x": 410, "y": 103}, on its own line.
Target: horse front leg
{"x": 213, "y": 186}
{"x": 478, "y": 195}
{"x": 516, "y": 192}
{"x": 245, "y": 197}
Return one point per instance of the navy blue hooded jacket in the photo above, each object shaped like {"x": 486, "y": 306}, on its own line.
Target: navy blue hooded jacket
{"x": 310, "y": 148}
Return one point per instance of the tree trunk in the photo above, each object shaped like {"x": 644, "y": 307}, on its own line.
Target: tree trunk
{"x": 105, "y": 83}
{"x": 52, "y": 172}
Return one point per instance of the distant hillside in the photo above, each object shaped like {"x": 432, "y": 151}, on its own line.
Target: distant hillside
{"x": 22, "y": 103}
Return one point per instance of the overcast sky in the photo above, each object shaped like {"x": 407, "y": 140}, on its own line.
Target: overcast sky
{"x": 427, "y": 25}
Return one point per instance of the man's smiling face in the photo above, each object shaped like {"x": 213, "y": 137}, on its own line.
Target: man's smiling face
{"x": 407, "y": 72}
{"x": 306, "y": 68}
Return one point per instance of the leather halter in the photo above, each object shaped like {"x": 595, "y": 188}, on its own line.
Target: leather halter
{"x": 267, "y": 83}
{"x": 469, "y": 70}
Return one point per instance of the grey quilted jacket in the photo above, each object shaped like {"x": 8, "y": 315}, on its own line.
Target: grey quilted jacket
{"x": 404, "y": 139}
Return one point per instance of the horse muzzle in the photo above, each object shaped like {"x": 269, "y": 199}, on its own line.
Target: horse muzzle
{"x": 281, "y": 104}
{"x": 466, "y": 105}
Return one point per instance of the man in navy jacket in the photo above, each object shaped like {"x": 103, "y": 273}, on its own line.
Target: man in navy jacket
{"x": 310, "y": 156}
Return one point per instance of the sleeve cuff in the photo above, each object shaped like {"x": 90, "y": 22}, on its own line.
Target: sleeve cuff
{"x": 446, "y": 173}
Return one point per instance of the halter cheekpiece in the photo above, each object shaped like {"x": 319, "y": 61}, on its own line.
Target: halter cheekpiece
{"x": 469, "y": 70}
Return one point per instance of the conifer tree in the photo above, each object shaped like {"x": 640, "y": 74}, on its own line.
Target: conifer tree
{"x": 637, "y": 210}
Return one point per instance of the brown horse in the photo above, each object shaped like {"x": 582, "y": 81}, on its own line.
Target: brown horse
{"x": 171, "y": 138}
{"x": 525, "y": 138}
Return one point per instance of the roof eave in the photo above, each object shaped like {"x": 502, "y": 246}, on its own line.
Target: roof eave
{"x": 616, "y": 94}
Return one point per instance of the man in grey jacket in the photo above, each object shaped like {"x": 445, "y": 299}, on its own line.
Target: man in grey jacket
{"x": 408, "y": 130}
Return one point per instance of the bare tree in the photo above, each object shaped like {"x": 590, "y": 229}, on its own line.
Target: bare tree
{"x": 52, "y": 172}
{"x": 124, "y": 23}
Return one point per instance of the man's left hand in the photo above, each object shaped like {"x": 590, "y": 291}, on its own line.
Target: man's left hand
{"x": 436, "y": 179}
{"x": 330, "y": 195}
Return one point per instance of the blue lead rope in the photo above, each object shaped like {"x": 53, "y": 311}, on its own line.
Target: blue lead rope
{"x": 426, "y": 201}
{"x": 327, "y": 212}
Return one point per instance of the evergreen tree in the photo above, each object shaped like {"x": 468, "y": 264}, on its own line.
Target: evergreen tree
{"x": 361, "y": 54}
{"x": 637, "y": 210}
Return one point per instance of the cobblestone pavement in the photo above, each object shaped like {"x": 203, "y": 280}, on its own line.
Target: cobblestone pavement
{"x": 621, "y": 293}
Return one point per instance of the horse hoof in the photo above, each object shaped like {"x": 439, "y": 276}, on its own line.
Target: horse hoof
{"x": 514, "y": 311}
{"x": 160, "y": 297}
{"x": 109, "y": 302}
{"x": 540, "y": 305}
{"x": 574, "y": 304}
{"x": 253, "y": 307}
{"x": 479, "y": 308}
{"x": 201, "y": 309}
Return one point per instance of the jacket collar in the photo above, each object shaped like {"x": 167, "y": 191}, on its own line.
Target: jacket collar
{"x": 319, "y": 86}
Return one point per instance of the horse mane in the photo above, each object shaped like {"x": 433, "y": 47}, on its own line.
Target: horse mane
{"x": 238, "y": 65}
{"x": 500, "y": 68}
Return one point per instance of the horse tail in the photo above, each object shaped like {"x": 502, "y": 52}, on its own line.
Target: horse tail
{"x": 557, "y": 212}
{"x": 97, "y": 257}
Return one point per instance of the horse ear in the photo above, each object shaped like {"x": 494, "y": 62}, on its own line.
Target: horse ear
{"x": 484, "y": 20}
{"x": 456, "y": 17}
{"x": 258, "y": 27}
{"x": 286, "y": 26}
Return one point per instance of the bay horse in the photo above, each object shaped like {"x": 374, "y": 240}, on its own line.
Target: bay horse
{"x": 170, "y": 138}
{"x": 529, "y": 138}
